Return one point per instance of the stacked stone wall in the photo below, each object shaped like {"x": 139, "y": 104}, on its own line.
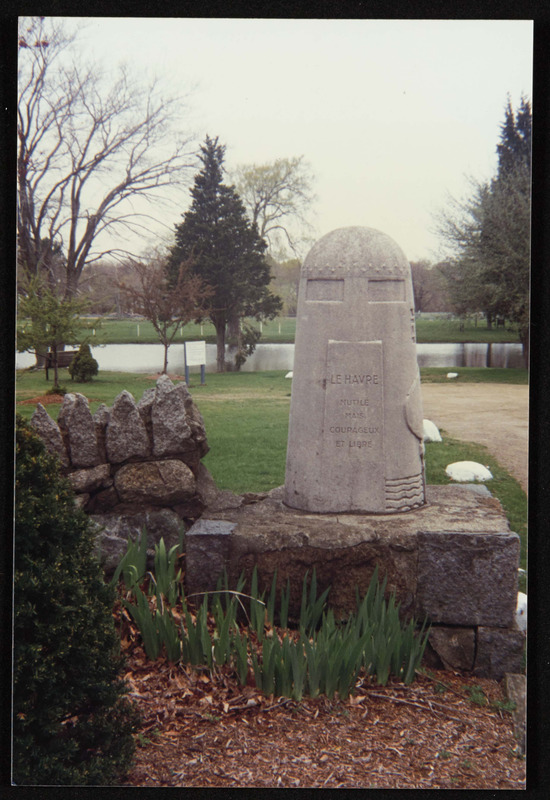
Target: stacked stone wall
{"x": 132, "y": 465}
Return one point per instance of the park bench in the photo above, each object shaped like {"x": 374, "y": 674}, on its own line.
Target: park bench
{"x": 64, "y": 359}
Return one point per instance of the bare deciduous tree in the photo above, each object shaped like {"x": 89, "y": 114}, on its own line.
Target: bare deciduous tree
{"x": 86, "y": 150}
{"x": 277, "y": 196}
{"x": 167, "y": 306}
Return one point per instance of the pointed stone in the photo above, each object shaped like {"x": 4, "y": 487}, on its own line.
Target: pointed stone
{"x": 126, "y": 436}
{"x": 49, "y": 432}
{"x": 101, "y": 420}
{"x": 78, "y": 430}
{"x": 146, "y": 403}
{"x": 195, "y": 421}
{"x": 144, "y": 407}
{"x": 171, "y": 431}
{"x": 164, "y": 385}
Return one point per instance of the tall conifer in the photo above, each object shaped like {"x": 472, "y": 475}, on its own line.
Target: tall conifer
{"x": 225, "y": 250}
{"x": 514, "y": 148}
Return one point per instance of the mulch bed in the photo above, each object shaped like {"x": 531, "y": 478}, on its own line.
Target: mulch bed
{"x": 206, "y": 730}
{"x": 45, "y": 399}
{"x": 49, "y": 399}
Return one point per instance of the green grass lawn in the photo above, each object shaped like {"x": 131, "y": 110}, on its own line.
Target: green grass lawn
{"x": 283, "y": 329}
{"x": 246, "y": 419}
{"x": 448, "y": 331}
{"x": 474, "y": 375}
{"x": 230, "y": 387}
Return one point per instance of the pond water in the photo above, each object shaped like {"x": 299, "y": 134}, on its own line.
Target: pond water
{"x": 470, "y": 355}
{"x": 148, "y": 358}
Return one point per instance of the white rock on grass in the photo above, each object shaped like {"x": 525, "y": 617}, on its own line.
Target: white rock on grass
{"x": 289, "y": 374}
{"x": 452, "y": 374}
{"x": 431, "y": 432}
{"x": 521, "y": 611}
{"x": 467, "y": 471}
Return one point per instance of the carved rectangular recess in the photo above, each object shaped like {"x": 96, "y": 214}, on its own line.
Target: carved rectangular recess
{"x": 386, "y": 291}
{"x": 325, "y": 289}
{"x": 353, "y": 460}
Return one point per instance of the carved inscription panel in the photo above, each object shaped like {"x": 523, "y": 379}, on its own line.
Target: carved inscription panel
{"x": 325, "y": 289}
{"x": 354, "y": 400}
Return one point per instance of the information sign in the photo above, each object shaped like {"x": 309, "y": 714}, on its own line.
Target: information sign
{"x": 195, "y": 356}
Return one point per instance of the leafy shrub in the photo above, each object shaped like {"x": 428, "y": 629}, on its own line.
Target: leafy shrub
{"x": 83, "y": 366}
{"x": 57, "y": 390}
{"x": 72, "y": 723}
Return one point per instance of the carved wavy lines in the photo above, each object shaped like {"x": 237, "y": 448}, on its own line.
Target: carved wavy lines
{"x": 404, "y": 493}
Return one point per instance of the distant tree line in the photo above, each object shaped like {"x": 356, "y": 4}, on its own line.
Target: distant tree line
{"x": 102, "y": 286}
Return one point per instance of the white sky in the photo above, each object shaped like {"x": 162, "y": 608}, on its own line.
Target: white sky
{"x": 390, "y": 114}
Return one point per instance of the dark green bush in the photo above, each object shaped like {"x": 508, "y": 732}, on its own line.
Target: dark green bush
{"x": 83, "y": 366}
{"x": 56, "y": 390}
{"x": 72, "y": 723}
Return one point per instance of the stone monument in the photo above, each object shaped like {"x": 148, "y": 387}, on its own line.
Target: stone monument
{"x": 355, "y": 497}
{"x": 356, "y": 423}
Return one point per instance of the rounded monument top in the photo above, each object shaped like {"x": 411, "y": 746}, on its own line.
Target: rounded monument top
{"x": 356, "y": 250}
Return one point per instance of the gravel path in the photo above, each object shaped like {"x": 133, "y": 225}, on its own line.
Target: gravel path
{"x": 495, "y": 415}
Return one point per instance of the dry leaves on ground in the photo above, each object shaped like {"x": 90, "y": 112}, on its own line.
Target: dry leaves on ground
{"x": 205, "y": 730}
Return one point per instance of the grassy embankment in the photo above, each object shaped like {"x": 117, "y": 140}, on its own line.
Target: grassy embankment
{"x": 283, "y": 329}
{"x": 246, "y": 418}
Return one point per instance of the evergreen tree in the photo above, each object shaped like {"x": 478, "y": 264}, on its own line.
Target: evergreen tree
{"x": 490, "y": 232}
{"x": 514, "y": 149}
{"x": 71, "y": 722}
{"x": 505, "y": 236}
{"x": 84, "y": 366}
{"x": 225, "y": 249}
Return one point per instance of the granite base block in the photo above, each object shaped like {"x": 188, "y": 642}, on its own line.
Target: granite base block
{"x": 467, "y": 578}
{"x": 454, "y": 561}
{"x": 456, "y": 647}
{"x": 207, "y": 554}
{"x": 499, "y": 651}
